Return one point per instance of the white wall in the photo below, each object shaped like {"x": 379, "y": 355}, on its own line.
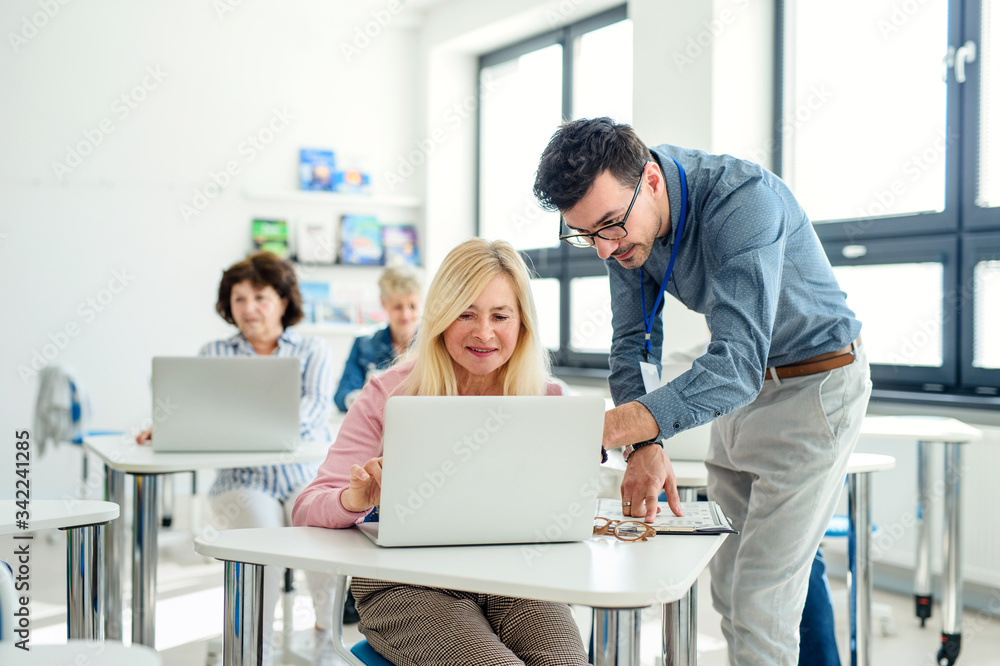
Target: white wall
{"x": 221, "y": 79}
{"x": 111, "y": 229}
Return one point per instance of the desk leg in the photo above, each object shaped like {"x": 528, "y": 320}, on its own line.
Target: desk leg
{"x": 680, "y": 618}
{"x": 860, "y": 583}
{"x": 615, "y": 638}
{"x": 85, "y": 583}
{"x": 243, "y": 628}
{"x": 680, "y": 646}
{"x": 922, "y": 594}
{"x": 145, "y": 529}
{"x": 951, "y": 598}
{"x": 114, "y": 546}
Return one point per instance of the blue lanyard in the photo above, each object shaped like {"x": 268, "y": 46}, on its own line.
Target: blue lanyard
{"x": 648, "y": 320}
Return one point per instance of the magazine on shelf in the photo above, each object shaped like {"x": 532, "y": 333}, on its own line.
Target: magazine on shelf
{"x": 316, "y": 241}
{"x": 699, "y": 517}
{"x": 399, "y": 244}
{"x": 270, "y": 236}
{"x": 316, "y": 169}
{"x": 360, "y": 240}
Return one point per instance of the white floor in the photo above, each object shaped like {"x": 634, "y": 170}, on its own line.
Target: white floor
{"x": 189, "y": 615}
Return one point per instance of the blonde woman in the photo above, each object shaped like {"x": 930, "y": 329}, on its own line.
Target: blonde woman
{"x": 399, "y": 291}
{"x": 478, "y": 336}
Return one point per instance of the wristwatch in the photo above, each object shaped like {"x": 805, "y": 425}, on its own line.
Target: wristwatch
{"x": 632, "y": 448}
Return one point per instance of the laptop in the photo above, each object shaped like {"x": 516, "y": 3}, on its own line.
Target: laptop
{"x": 225, "y": 404}
{"x": 488, "y": 470}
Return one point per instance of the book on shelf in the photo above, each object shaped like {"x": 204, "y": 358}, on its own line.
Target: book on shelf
{"x": 352, "y": 181}
{"x": 270, "y": 236}
{"x": 312, "y": 294}
{"x": 336, "y": 312}
{"x": 360, "y": 240}
{"x": 399, "y": 244}
{"x": 316, "y": 241}
{"x": 317, "y": 169}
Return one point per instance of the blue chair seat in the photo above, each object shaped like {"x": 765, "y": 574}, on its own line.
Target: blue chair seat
{"x": 840, "y": 526}
{"x": 363, "y": 651}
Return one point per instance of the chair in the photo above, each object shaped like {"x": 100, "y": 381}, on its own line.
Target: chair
{"x": 8, "y": 602}
{"x": 62, "y": 412}
{"x": 361, "y": 653}
{"x": 841, "y": 527}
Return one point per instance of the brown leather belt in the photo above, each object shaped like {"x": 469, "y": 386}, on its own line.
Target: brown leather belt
{"x": 816, "y": 364}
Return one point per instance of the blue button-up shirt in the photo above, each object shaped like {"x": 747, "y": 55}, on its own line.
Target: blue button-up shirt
{"x": 750, "y": 261}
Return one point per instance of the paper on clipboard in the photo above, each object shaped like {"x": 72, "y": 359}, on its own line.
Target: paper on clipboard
{"x": 699, "y": 517}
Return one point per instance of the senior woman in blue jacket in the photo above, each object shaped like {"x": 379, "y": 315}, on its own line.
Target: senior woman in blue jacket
{"x": 400, "y": 293}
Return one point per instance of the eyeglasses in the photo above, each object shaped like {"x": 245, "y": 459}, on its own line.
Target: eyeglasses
{"x": 613, "y": 231}
{"x": 624, "y": 530}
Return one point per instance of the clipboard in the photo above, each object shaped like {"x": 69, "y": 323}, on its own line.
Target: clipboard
{"x": 699, "y": 517}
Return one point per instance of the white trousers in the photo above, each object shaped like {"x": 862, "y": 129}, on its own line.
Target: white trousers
{"x": 244, "y": 507}
{"x": 777, "y": 468}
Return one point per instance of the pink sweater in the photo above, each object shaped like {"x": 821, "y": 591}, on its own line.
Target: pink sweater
{"x": 359, "y": 439}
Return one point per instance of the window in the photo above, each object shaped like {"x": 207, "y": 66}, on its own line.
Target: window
{"x": 580, "y": 71}
{"x": 894, "y": 155}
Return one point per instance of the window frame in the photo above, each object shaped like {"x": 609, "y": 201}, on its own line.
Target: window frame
{"x": 975, "y": 248}
{"x": 954, "y": 233}
{"x": 562, "y": 261}
{"x": 883, "y": 252}
{"x": 860, "y": 229}
{"x": 976, "y": 218}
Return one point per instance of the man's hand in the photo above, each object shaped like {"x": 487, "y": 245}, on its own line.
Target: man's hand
{"x": 144, "y": 436}
{"x": 366, "y": 486}
{"x": 649, "y": 470}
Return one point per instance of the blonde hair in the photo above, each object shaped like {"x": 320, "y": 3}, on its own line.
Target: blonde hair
{"x": 398, "y": 281}
{"x": 463, "y": 275}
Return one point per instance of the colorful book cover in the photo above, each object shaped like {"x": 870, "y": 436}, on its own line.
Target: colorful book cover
{"x": 399, "y": 244}
{"x": 352, "y": 181}
{"x": 317, "y": 169}
{"x": 313, "y": 293}
{"x": 360, "y": 240}
{"x": 270, "y": 236}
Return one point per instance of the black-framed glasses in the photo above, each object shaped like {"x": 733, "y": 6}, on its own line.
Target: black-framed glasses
{"x": 614, "y": 231}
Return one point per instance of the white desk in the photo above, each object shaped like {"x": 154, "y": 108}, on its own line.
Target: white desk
{"x": 83, "y": 521}
{"x": 82, "y": 653}
{"x": 616, "y": 579}
{"x": 121, "y": 456}
{"x": 926, "y": 430}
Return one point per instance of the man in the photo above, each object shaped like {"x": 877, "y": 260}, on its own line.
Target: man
{"x": 784, "y": 378}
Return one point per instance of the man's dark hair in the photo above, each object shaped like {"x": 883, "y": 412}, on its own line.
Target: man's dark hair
{"x": 579, "y": 152}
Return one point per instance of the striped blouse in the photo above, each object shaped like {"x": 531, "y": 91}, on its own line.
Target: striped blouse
{"x": 282, "y": 481}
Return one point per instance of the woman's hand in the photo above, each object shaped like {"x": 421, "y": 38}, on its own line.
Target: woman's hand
{"x": 144, "y": 436}
{"x": 366, "y": 486}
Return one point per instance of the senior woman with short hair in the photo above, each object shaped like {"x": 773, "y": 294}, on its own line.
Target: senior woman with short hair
{"x": 260, "y": 296}
{"x": 399, "y": 292}
{"x": 478, "y": 336}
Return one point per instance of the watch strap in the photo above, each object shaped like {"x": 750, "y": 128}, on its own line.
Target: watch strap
{"x": 632, "y": 448}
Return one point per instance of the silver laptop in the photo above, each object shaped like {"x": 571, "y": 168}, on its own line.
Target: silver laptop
{"x": 488, "y": 470}
{"x": 225, "y": 404}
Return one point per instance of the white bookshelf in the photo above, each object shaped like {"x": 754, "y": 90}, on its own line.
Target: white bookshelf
{"x": 334, "y": 199}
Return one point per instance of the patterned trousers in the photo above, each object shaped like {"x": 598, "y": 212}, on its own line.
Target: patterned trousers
{"x": 413, "y": 626}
